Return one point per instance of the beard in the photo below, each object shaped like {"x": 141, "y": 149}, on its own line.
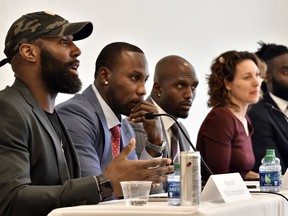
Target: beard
{"x": 280, "y": 89}
{"x": 56, "y": 74}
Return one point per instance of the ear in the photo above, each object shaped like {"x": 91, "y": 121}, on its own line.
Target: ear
{"x": 268, "y": 77}
{"x": 28, "y": 52}
{"x": 103, "y": 75}
{"x": 227, "y": 84}
{"x": 157, "y": 88}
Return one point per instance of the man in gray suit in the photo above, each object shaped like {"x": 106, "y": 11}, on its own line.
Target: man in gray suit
{"x": 118, "y": 89}
{"x": 173, "y": 92}
{"x": 39, "y": 166}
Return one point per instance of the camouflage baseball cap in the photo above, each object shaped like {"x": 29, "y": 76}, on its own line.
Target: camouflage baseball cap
{"x": 39, "y": 25}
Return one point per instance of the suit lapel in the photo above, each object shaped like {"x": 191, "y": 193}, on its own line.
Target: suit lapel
{"x": 40, "y": 115}
{"x": 278, "y": 118}
{"x": 107, "y": 151}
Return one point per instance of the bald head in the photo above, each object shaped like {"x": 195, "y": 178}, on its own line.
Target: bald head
{"x": 165, "y": 68}
{"x": 174, "y": 87}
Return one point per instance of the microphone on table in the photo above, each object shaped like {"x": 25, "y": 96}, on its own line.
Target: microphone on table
{"x": 155, "y": 115}
{"x": 271, "y": 107}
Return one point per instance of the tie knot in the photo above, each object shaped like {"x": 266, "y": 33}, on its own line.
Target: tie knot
{"x": 115, "y": 130}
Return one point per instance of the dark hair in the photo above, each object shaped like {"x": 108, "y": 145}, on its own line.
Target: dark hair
{"x": 269, "y": 51}
{"x": 111, "y": 53}
{"x": 224, "y": 68}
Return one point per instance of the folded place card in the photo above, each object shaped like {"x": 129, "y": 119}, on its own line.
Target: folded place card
{"x": 225, "y": 187}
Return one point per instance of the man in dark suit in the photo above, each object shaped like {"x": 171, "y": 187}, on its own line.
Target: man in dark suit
{"x": 39, "y": 166}
{"x": 270, "y": 125}
{"x": 118, "y": 89}
{"x": 173, "y": 92}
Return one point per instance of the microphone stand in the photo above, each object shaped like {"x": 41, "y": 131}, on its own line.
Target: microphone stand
{"x": 154, "y": 115}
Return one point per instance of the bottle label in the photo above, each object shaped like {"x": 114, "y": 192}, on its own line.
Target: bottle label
{"x": 270, "y": 179}
{"x": 173, "y": 189}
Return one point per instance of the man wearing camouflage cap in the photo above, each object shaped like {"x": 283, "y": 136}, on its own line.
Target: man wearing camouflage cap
{"x": 40, "y": 169}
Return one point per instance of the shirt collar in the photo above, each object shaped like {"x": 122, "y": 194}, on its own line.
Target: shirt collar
{"x": 109, "y": 115}
{"x": 167, "y": 121}
{"x": 282, "y": 104}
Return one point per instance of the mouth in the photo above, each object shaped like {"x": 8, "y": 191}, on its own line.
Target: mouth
{"x": 186, "y": 105}
{"x": 74, "y": 67}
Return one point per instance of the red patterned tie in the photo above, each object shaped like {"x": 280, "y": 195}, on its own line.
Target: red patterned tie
{"x": 115, "y": 137}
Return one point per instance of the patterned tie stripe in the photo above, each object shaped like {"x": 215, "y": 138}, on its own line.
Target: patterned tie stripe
{"x": 115, "y": 138}
{"x": 174, "y": 143}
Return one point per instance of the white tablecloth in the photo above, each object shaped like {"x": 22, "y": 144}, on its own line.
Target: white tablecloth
{"x": 259, "y": 204}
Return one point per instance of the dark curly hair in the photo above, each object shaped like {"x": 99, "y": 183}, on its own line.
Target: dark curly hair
{"x": 224, "y": 68}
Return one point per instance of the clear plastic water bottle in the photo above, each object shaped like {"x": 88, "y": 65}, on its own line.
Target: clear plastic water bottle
{"x": 270, "y": 172}
{"x": 174, "y": 187}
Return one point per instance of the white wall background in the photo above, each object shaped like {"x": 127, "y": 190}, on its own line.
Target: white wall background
{"x": 196, "y": 30}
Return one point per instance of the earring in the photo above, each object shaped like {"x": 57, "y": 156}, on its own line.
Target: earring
{"x": 158, "y": 94}
{"x": 106, "y": 82}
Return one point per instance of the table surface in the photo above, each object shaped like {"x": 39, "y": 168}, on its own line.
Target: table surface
{"x": 260, "y": 204}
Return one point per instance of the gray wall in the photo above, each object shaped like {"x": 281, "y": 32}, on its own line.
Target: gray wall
{"x": 196, "y": 30}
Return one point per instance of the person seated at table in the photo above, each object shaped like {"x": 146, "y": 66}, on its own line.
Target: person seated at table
{"x": 271, "y": 126}
{"x": 118, "y": 89}
{"x": 224, "y": 138}
{"x": 173, "y": 92}
{"x": 39, "y": 165}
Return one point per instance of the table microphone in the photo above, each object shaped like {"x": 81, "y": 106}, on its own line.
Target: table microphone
{"x": 154, "y": 115}
{"x": 271, "y": 107}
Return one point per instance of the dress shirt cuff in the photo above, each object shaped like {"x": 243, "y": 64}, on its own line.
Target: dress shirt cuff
{"x": 146, "y": 156}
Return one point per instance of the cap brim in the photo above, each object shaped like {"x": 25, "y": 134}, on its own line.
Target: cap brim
{"x": 79, "y": 30}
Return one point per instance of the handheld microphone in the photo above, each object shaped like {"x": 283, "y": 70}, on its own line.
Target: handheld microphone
{"x": 271, "y": 107}
{"x": 155, "y": 115}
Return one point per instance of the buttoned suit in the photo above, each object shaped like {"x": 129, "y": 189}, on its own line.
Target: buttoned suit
{"x": 271, "y": 131}
{"x": 34, "y": 175}
{"x": 84, "y": 118}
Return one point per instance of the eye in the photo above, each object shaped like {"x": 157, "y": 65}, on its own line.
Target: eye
{"x": 64, "y": 40}
{"x": 136, "y": 77}
{"x": 193, "y": 88}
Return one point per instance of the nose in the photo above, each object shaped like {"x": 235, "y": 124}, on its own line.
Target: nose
{"x": 141, "y": 90}
{"x": 189, "y": 93}
{"x": 75, "y": 50}
{"x": 257, "y": 81}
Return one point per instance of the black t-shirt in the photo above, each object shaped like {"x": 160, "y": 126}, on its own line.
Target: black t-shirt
{"x": 54, "y": 119}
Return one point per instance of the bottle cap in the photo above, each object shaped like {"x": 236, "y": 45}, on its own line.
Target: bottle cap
{"x": 269, "y": 157}
{"x": 176, "y": 166}
{"x": 270, "y": 152}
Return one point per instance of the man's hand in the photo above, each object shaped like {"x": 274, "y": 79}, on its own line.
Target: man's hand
{"x": 152, "y": 126}
{"x": 122, "y": 169}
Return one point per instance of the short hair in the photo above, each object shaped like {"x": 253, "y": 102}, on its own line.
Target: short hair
{"x": 224, "y": 67}
{"x": 268, "y": 51}
{"x": 111, "y": 54}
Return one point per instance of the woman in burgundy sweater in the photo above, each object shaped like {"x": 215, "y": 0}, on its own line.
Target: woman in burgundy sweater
{"x": 224, "y": 138}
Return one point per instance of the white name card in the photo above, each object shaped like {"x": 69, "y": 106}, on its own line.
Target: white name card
{"x": 225, "y": 187}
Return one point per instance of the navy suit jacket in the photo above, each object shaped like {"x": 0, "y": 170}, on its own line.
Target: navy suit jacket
{"x": 84, "y": 119}
{"x": 35, "y": 178}
{"x": 270, "y": 131}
